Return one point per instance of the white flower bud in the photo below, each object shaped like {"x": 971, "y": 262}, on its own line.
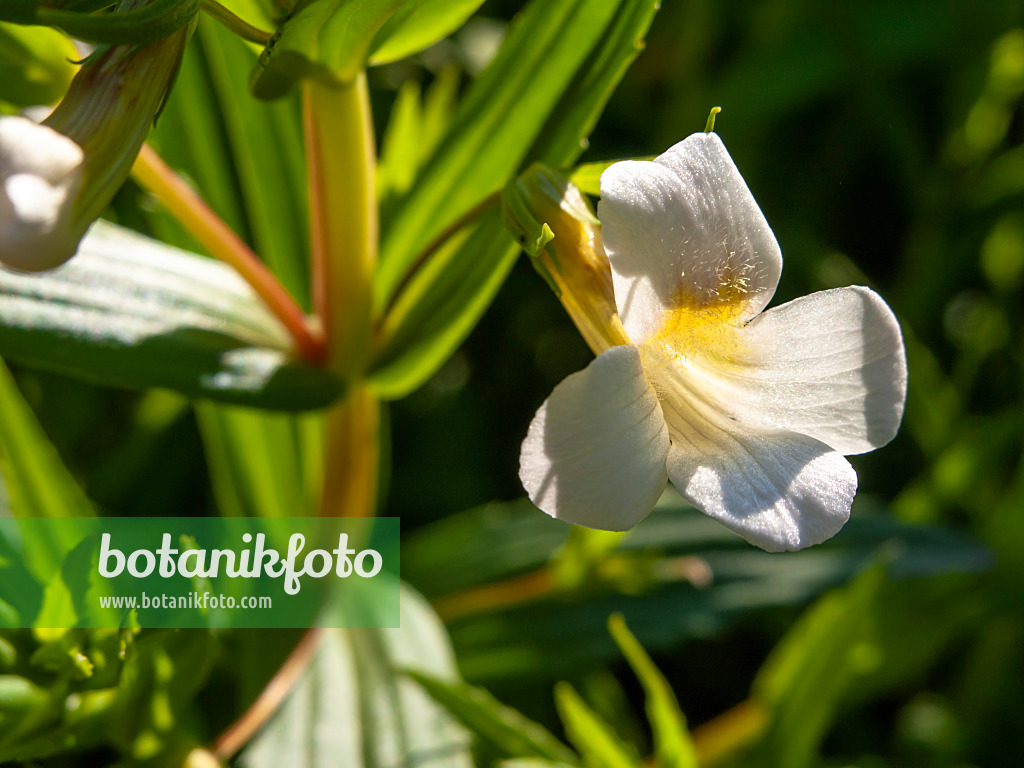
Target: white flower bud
{"x": 40, "y": 175}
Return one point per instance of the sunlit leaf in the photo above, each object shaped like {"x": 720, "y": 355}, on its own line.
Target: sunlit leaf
{"x": 130, "y": 312}
{"x": 673, "y": 747}
{"x": 36, "y": 65}
{"x": 539, "y": 98}
{"x": 418, "y": 25}
{"x": 326, "y": 39}
{"x": 595, "y": 740}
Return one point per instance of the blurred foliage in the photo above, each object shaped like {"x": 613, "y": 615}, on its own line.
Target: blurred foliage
{"x": 885, "y": 142}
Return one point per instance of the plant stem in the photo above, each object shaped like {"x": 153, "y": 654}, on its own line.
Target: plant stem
{"x": 210, "y": 230}
{"x": 239, "y": 26}
{"x": 352, "y": 456}
{"x": 343, "y": 206}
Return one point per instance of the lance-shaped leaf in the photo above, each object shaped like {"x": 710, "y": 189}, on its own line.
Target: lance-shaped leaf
{"x": 503, "y": 728}
{"x": 595, "y": 739}
{"x": 672, "y": 743}
{"x": 132, "y": 313}
{"x": 38, "y": 485}
{"x": 538, "y": 99}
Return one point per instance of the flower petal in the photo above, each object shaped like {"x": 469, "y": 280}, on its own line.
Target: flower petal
{"x": 779, "y": 491}
{"x": 40, "y": 174}
{"x": 595, "y": 452}
{"x": 685, "y": 226}
{"x": 830, "y": 365}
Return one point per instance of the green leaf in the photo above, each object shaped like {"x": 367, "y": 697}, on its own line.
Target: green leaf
{"x": 501, "y": 727}
{"x": 587, "y": 177}
{"x": 416, "y": 125}
{"x": 130, "y": 312}
{"x": 870, "y": 638}
{"x": 247, "y": 157}
{"x": 418, "y": 25}
{"x": 35, "y": 65}
{"x": 673, "y": 747}
{"x": 400, "y": 151}
{"x": 441, "y": 305}
{"x": 262, "y": 464}
{"x": 156, "y": 693}
{"x": 38, "y": 483}
{"x": 325, "y": 39}
{"x": 552, "y": 638}
{"x": 595, "y": 740}
{"x": 538, "y": 99}
{"x": 353, "y": 706}
{"x": 266, "y": 146}
{"x": 495, "y": 125}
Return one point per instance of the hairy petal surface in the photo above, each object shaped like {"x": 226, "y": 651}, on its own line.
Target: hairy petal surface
{"x": 778, "y": 490}
{"x": 830, "y": 365}
{"x": 685, "y": 230}
{"x": 595, "y": 452}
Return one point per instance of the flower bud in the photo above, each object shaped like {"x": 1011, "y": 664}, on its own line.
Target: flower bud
{"x": 40, "y": 175}
{"x": 59, "y": 177}
{"x": 553, "y": 223}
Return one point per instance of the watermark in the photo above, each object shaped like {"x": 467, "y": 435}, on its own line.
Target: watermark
{"x": 198, "y": 572}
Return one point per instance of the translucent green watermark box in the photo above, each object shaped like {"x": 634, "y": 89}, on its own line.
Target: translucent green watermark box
{"x": 178, "y": 572}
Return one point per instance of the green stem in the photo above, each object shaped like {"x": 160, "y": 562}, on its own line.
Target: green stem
{"x": 239, "y": 26}
{"x": 343, "y": 206}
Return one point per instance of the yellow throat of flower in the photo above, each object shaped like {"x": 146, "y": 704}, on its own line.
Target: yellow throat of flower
{"x": 702, "y": 325}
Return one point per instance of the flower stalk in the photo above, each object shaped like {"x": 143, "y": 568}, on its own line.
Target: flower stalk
{"x": 210, "y": 230}
{"x": 343, "y": 207}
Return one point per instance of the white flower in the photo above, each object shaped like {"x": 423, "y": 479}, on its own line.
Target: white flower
{"x": 40, "y": 175}
{"x": 748, "y": 413}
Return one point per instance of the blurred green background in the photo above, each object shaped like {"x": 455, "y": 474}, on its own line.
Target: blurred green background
{"x": 885, "y": 144}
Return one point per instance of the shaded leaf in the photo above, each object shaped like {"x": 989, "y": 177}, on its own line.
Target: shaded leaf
{"x": 353, "y": 706}
{"x": 706, "y": 578}
{"x": 503, "y": 728}
{"x": 870, "y": 637}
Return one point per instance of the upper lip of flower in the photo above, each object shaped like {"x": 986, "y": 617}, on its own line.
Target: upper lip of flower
{"x": 747, "y": 411}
